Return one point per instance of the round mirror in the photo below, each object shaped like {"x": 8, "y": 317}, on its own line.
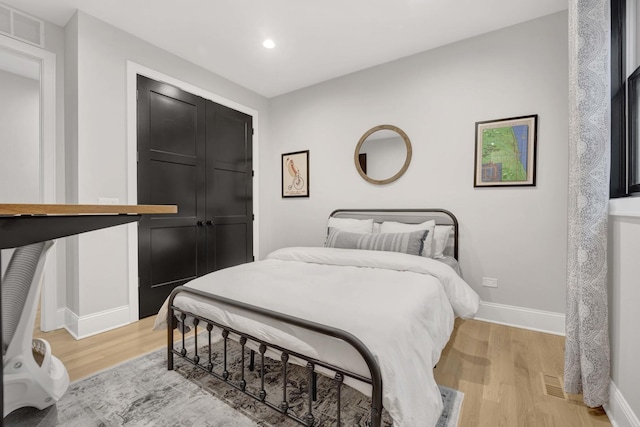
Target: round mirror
{"x": 383, "y": 154}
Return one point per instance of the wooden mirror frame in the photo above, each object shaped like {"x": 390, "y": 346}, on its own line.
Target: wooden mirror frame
{"x": 404, "y": 167}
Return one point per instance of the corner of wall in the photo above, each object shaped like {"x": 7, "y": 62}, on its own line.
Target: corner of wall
{"x": 80, "y": 327}
{"x": 618, "y": 409}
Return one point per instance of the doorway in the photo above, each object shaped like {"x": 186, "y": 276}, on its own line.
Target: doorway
{"x": 196, "y": 154}
{"x": 133, "y": 70}
{"x": 28, "y": 62}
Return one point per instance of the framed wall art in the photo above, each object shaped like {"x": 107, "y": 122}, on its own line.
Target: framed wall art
{"x": 506, "y": 152}
{"x": 295, "y": 174}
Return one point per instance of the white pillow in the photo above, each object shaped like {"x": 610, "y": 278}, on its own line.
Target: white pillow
{"x": 351, "y": 225}
{"x": 440, "y": 240}
{"x": 400, "y": 227}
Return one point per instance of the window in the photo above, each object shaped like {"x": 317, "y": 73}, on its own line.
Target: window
{"x": 625, "y": 99}
{"x": 633, "y": 113}
{"x": 618, "y": 179}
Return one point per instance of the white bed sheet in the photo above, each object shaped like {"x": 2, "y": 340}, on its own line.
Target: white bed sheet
{"x": 402, "y": 307}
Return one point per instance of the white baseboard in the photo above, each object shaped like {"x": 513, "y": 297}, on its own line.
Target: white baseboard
{"x": 520, "y": 317}
{"x": 618, "y": 410}
{"x": 85, "y": 326}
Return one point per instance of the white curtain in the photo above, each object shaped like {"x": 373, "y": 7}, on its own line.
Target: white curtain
{"x": 587, "y": 352}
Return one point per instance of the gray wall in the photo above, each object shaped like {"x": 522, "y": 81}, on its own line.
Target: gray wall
{"x": 19, "y": 143}
{"x": 20, "y": 137}
{"x": 624, "y": 316}
{"x": 54, "y": 42}
{"x": 624, "y": 271}
{"x": 517, "y": 235}
{"x": 71, "y": 155}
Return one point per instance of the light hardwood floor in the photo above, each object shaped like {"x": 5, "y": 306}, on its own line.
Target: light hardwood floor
{"x": 96, "y": 353}
{"x": 500, "y": 369}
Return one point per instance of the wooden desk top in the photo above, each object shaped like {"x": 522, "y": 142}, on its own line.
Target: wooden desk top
{"x": 63, "y": 209}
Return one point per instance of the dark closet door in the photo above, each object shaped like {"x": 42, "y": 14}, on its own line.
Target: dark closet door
{"x": 171, "y": 170}
{"x": 229, "y": 187}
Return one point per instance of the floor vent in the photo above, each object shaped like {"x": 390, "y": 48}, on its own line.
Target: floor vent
{"x": 553, "y": 386}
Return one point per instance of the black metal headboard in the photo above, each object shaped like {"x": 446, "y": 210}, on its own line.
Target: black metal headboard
{"x": 408, "y": 216}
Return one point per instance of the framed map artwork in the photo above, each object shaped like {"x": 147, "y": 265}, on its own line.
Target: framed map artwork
{"x": 506, "y": 152}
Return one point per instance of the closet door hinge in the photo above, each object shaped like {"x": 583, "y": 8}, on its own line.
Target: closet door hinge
{"x": 253, "y": 173}
{"x": 137, "y": 94}
{"x": 137, "y": 156}
{"x": 253, "y": 217}
{"x": 252, "y": 131}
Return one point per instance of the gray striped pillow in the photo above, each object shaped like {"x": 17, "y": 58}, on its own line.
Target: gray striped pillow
{"x": 408, "y": 243}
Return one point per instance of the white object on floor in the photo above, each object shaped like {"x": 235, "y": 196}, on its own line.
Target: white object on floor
{"x": 32, "y": 375}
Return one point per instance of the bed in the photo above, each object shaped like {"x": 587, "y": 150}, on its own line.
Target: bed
{"x": 372, "y": 310}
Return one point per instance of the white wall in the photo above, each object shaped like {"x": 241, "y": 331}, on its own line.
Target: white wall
{"x": 97, "y": 131}
{"x": 71, "y": 155}
{"x": 517, "y": 235}
{"x": 624, "y": 271}
{"x": 54, "y": 42}
{"x": 20, "y": 139}
{"x": 52, "y": 145}
{"x": 19, "y": 143}
{"x": 624, "y": 316}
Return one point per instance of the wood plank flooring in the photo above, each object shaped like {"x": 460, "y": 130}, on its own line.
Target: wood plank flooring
{"x": 499, "y": 368}
{"x": 96, "y": 353}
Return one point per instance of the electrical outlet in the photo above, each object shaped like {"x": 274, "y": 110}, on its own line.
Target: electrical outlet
{"x": 108, "y": 201}
{"x": 490, "y": 282}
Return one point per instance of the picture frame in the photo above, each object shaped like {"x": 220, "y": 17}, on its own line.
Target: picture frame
{"x": 295, "y": 174}
{"x": 505, "y": 153}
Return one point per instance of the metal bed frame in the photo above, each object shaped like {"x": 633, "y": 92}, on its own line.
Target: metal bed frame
{"x": 204, "y": 361}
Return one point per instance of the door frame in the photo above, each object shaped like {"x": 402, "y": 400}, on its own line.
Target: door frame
{"x": 133, "y": 69}
{"x": 49, "y": 294}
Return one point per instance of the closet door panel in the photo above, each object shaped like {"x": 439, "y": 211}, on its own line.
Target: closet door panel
{"x": 229, "y": 187}
{"x": 195, "y": 154}
{"x": 173, "y": 183}
{"x": 170, "y": 268}
{"x": 230, "y": 247}
{"x": 173, "y": 125}
{"x": 171, "y": 170}
{"x": 231, "y": 137}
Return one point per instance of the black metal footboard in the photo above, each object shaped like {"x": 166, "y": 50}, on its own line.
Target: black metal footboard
{"x": 311, "y": 363}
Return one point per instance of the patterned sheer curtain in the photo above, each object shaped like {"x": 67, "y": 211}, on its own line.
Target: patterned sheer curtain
{"x": 587, "y": 352}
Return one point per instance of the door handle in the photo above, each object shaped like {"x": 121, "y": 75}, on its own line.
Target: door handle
{"x": 209, "y": 222}
{"x": 199, "y": 223}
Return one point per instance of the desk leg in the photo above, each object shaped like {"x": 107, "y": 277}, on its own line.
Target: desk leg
{"x": 1, "y": 372}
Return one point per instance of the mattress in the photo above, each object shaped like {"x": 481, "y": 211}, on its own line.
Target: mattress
{"x": 402, "y": 307}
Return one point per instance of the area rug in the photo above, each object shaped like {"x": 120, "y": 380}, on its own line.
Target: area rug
{"x": 141, "y": 392}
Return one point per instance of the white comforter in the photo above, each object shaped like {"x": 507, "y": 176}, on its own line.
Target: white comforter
{"x": 400, "y": 306}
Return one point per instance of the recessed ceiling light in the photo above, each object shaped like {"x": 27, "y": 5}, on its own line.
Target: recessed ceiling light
{"x": 269, "y": 44}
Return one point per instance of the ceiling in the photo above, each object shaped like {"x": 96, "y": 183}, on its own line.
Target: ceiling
{"x": 315, "y": 40}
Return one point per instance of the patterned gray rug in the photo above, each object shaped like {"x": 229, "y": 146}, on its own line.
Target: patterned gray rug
{"x": 141, "y": 392}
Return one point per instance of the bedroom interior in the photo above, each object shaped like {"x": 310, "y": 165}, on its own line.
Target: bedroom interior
{"x": 516, "y": 235}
